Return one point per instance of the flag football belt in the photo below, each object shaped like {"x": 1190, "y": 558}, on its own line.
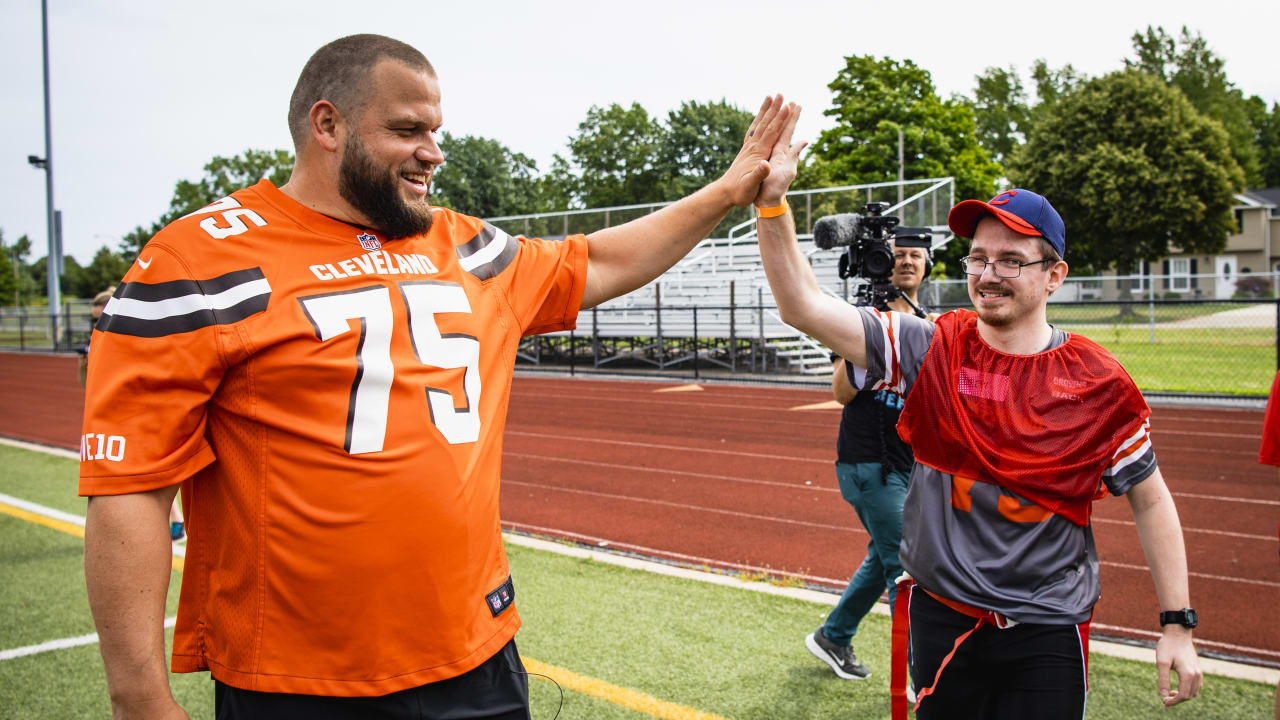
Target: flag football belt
{"x": 901, "y": 635}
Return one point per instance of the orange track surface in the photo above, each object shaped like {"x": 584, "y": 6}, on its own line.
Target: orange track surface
{"x": 735, "y": 477}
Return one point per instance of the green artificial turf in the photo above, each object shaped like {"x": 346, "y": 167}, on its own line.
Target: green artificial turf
{"x": 734, "y": 653}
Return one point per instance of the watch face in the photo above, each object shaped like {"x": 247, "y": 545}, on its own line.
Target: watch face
{"x": 1192, "y": 619}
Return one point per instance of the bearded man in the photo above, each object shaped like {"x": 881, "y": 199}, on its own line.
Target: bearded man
{"x": 324, "y": 368}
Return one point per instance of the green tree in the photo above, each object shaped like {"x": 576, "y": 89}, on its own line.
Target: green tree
{"x": 1134, "y": 170}
{"x": 222, "y": 176}
{"x": 1001, "y": 111}
{"x": 482, "y": 177}
{"x": 102, "y": 272}
{"x": 1266, "y": 128}
{"x": 71, "y": 277}
{"x": 615, "y": 154}
{"x": 24, "y": 289}
{"x": 1191, "y": 66}
{"x": 698, "y": 143}
{"x": 874, "y": 99}
{"x": 8, "y": 276}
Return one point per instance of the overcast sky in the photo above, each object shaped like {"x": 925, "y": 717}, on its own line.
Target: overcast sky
{"x": 145, "y": 92}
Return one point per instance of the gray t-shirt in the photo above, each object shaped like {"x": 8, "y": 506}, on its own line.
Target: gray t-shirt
{"x": 979, "y": 543}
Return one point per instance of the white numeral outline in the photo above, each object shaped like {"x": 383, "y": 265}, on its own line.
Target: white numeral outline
{"x": 330, "y": 315}
{"x": 231, "y": 215}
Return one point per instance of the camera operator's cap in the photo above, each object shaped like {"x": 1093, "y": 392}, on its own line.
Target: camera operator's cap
{"x": 1020, "y": 210}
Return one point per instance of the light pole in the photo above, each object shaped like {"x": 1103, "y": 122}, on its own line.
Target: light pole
{"x": 53, "y": 264}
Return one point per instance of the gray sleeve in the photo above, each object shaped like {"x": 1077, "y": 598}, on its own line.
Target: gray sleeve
{"x": 896, "y": 346}
{"x": 1134, "y": 462}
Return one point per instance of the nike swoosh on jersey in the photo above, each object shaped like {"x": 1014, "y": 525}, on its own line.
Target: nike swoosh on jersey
{"x": 144, "y": 263}
{"x": 179, "y": 306}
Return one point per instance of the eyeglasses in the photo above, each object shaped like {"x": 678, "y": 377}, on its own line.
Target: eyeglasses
{"x": 1006, "y": 268}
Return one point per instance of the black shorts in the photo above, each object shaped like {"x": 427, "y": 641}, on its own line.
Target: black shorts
{"x": 496, "y": 690}
{"x": 1024, "y": 671}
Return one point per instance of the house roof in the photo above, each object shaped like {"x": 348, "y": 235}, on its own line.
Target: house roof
{"x": 1264, "y": 197}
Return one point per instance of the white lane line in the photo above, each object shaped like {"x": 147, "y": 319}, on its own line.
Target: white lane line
{"x": 1206, "y": 576}
{"x": 665, "y": 471}
{"x": 1226, "y": 668}
{"x": 658, "y": 446}
{"x": 1250, "y": 501}
{"x": 63, "y": 644}
{"x": 1185, "y": 529}
{"x": 686, "y": 506}
{"x": 179, "y": 549}
{"x": 42, "y": 510}
{"x": 46, "y": 449}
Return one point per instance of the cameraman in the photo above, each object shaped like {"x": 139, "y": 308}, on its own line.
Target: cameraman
{"x": 873, "y": 467}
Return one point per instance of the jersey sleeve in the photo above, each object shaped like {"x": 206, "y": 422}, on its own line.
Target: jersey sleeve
{"x": 896, "y": 344}
{"x": 1132, "y": 463}
{"x": 1269, "y": 452}
{"x": 545, "y": 290}
{"x": 154, "y": 363}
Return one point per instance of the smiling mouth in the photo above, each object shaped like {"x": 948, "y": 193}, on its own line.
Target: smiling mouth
{"x": 993, "y": 294}
{"x": 418, "y": 181}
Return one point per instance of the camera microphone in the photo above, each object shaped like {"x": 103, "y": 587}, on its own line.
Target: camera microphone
{"x": 835, "y": 230}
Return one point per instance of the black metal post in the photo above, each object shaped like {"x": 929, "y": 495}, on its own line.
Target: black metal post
{"x": 595, "y": 338}
{"x": 695, "y": 342}
{"x": 733, "y": 336}
{"x": 571, "y": 353}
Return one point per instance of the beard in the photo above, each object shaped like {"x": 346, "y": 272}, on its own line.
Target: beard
{"x": 376, "y": 194}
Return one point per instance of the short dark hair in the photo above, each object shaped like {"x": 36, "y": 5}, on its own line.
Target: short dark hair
{"x": 339, "y": 71}
{"x": 1047, "y": 251}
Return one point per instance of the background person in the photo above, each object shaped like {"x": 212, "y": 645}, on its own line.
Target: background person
{"x": 325, "y": 369}
{"x": 95, "y": 311}
{"x": 873, "y": 466}
{"x": 1015, "y": 426}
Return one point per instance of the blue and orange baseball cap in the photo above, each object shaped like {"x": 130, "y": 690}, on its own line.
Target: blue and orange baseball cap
{"x": 1022, "y": 211}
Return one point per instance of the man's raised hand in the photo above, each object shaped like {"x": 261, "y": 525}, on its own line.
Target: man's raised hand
{"x": 751, "y": 166}
{"x": 784, "y": 158}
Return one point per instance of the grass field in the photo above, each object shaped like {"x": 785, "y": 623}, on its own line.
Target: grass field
{"x": 626, "y": 644}
{"x": 1238, "y": 361}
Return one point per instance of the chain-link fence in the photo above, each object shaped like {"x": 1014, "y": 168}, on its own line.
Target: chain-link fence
{"x": 34, "y": 329}
{"x": 1199, "y": 348}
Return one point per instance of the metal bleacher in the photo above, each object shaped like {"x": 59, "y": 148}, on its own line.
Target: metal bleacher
{"x": 715, "y": 306}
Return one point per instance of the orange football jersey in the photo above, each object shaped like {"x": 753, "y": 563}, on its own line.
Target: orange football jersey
{"x": 335, "y": 403}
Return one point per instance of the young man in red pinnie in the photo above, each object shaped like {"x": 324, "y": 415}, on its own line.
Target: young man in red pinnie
{"x": 1017, "y": 428}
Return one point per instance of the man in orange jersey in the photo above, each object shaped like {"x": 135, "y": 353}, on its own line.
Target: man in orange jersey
{"x": 324, "y": 367}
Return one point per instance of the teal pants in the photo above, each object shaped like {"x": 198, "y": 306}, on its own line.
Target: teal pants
{"x": 879, "y": 507}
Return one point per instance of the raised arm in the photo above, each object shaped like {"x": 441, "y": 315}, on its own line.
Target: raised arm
{"x": 623, "y": 258}
{"x": 127, "y": 563}
{"x": 801, "y": 302}
{"x": 1161, "y": 534}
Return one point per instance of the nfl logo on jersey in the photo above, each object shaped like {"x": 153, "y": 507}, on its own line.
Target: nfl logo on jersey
{"x": 369, "y": 242}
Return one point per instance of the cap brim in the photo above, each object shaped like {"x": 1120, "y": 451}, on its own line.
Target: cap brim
{"x": 963, "y": 219}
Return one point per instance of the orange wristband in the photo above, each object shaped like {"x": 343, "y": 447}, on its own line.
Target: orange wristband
{"x": 772, "y": 212}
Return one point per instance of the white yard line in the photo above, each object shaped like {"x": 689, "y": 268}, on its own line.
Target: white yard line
{"x": 1269, "y": 676}
{"x": 63, "y": 644}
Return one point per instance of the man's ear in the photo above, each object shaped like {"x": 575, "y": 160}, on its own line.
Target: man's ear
{"x": 325, "y": 120}
{"x": 1057, "y": 275}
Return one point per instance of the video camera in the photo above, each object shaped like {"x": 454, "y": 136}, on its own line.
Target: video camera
{"x": 870, "y": 240}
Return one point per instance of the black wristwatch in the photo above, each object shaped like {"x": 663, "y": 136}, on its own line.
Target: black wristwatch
{"x": 1186, "y": 617}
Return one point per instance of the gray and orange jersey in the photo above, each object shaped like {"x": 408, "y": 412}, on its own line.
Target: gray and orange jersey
{"x": 977, "y": 542}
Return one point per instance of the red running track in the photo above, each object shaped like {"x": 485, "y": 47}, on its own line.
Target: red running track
{"x": 740, "y": 478}
{"x": 737, "y": 477}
